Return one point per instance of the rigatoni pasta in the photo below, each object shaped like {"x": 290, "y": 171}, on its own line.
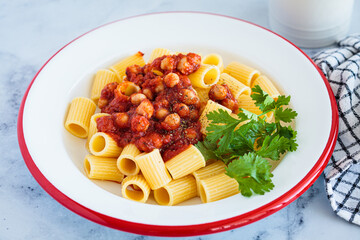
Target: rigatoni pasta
{"x": 135, "y": 188}
{"x": 247, "y": 103}
{"x": 242, "y": 72}
{"x": 93, "y": 126}
{"x": 218, "y": 187}
{"x": 267, "y": 86}
{"x": 126, "y": 161}
{"x": 176, "y": 191}
{"x": 210, "y": 106}
{"x": 158, "y": 52}
{"x": 208, "y": 171}
{"x": 214, "y": 59}
{"x": 153, "y": 169}
{"x": 236, "y": 87}
{"x": 78, "y": 118}
{"x": 205, "y": 76}
{"x": 185, "y": 162}
{"x": 102, "y": 77}
{"x": 103, "y": 145}
{"x": 203, "y": 94}
{"x": 120, "y": 67}
{"x": 101, "y": 168}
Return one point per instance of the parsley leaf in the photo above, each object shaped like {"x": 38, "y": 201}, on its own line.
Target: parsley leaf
{"x": 262, "y": 99}
{"x": 252, "y": 172}
{"x": 221, "y": 129}
{"x": 272, "y": 147}
{"x": 285, "y": 115}
{"x": 282, "y": 100}
{"x": 249, "y": 115}
{"x": 246, "y": 143}
{"x": 290, "y": 134}
{"x": 207, "y": 149}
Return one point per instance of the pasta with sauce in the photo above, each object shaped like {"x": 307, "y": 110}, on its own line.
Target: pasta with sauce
{"x": 151, "y": 117}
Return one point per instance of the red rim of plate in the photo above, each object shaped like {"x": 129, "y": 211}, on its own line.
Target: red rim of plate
{"x": 184, "y": 230}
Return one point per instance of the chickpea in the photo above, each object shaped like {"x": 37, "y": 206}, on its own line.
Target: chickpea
{"x": 171, "y": 122}
{"x": 148, "y": 93}
{"x": 185, "y": 81}
{"x": 122, "y": 119}
{"x": 105, "y": 124}
{"x": 159, "y": 87}
{"x": 183, "y": 65}
{"x": 142, "y": 144}
{"x": 145, "y": 109}
{"x": 139, "y": 124}
{"x": 194, "y": 58}
{"x": 107, "y": 94}
{"x": 181, "y": 109}
{"x": 194, "y": 114}
{"x": 189, "y": 63}
{"x": 217, "y": 92}
{"x": 155, "y": 139}
{"x": 167, "y": 64}
{"x": 136, "y": 98}
{"x": 190, "y": 133}
{"x": 133, "y": 69}
{"x": 166, "y": 139}
{"x": 102, "y": 102}
{"x": 171, "y": 80}
{"x": 229, "y": 103}
{"x": 109, "y": 89}
{"x": 161, "y": 102}
{"x": 189, "y": 97}
{"x": 161, "y": 113}
{"x": 150, "y": 142}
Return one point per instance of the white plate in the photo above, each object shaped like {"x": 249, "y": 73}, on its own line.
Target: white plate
{"x": 55, "y": 157}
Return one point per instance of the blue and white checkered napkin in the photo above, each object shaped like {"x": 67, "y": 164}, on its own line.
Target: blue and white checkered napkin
{"x": 341, "y": 66}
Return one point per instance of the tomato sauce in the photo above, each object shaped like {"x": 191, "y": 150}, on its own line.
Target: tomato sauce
{"x": 160, "y": 111}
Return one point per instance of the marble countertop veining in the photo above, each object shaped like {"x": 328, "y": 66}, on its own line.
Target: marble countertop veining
{"x": 31, "y": 32}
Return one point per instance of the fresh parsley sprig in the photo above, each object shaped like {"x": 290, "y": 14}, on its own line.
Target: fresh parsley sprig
{"x": 252, "y": 172}
{"x": 246, "y": 142}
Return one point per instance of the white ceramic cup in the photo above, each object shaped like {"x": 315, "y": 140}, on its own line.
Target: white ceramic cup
{"x": 311, "y": 23}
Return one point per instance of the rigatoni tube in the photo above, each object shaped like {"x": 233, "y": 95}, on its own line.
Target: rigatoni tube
{"x": 176, "y": 191}
{"x": 267, "y": 86}
{"x": 93, "y": 126}
{"x": 135, "y": 188}
{"x": 205, "y": 76}
{"x": 78, "y": 118}
{"x": 102, "y": 168}
{"x": 153, "y": 168}
{"x": 242, "y": 72}
{"x": 214, "y": 59}
{"x": 185, "y": 162}
{"x": 102, "y": 77}
{"x": 120, "y": 67}
{"x": 208, "y": 171}
{"x": 236, "y": 87}
{"x": 218, "y": 187}
{"x": 209, "y": 107}
{"x": 126, "y": 161}
{"x": 247, "y": 103}
{"x": 102, "y": 144}
{"x": 158, "y": 52}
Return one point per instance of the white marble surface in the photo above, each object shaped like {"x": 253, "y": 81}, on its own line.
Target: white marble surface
{"x": 31, "y": 32}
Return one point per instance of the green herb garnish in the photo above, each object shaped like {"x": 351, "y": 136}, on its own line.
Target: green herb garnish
{"x": 247, "y": 142}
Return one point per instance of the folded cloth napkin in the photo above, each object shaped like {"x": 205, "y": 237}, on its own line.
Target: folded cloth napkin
{"x": 341, "y": 66}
